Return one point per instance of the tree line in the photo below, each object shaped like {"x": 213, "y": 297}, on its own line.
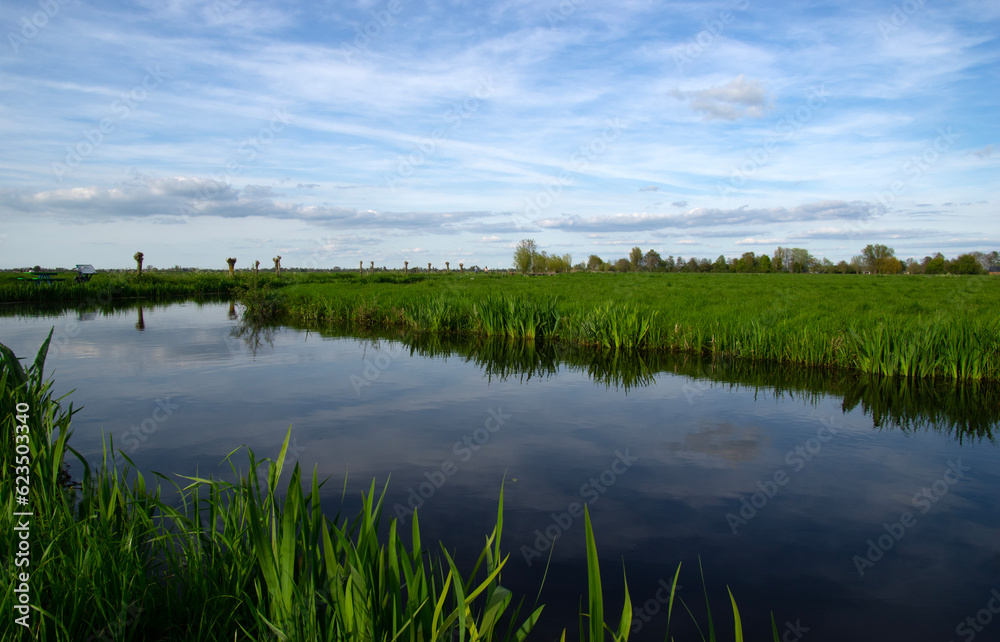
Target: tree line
{"x": 873, "y": 259}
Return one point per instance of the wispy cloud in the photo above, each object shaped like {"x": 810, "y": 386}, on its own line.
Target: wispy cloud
{"x": 713, "y": 217}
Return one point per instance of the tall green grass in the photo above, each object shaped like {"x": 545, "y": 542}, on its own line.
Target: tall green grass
{"x": 908, "y": 326}
{"x": 113, "y": 558}
{"x": 107, "y": 286}
{"x": 914, "y": 327}
{"x": 502, "y": 315}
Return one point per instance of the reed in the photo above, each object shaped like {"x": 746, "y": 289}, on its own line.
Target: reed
{"x": 840, "y": 321}
{"x": 106, "y": 286}
{"x": 515, "y": 317}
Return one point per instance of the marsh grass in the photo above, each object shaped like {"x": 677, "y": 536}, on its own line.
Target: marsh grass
{"x": 504, "y": 315}
{"x": 879, "y": 326}
{"x": 106, "y": 286}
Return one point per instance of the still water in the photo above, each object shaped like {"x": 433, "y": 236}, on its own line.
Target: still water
{"x": 851, "y": 509}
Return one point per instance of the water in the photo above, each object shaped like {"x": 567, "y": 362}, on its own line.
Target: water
{"x": 778, "y": 479}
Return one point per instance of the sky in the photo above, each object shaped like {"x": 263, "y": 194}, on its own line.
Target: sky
{"x": 388, "y": 131}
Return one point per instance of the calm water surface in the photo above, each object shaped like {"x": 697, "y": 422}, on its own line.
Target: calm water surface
{"x": 845, "y": 525}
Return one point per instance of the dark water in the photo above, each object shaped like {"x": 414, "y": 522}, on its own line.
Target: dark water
{"x": 671, "y": 455}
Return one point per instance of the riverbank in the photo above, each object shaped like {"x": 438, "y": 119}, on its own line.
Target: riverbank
{"x": 942, "y": 327}
{"x": 919, "y": 327}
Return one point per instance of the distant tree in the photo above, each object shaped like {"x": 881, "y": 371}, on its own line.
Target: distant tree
{"x": 991, "y": 259}
{"x": 843, "y": 267}
{"x": 782, "y": 259}
{"x": 679, "y": 265}
{"x": 704, "y": 265}
{"x": 801, "y": 260}
{"x": 691, "y": 265}
{"x": 652, "y": 261}
{"x": 935, "y": 265}
{"x": 967, "y": 264}
{"x": 764, "y": 263}
{"x": 561, "y": 264}
{"x": 720, "y": 264}
{"x": 594, "y": 262}
{"x": 747, "y": 263}
{"x": 635, "y": 259}
{"x": 913, "y": 266}
{"x": 669, "y": 263}
{"x": 623, "y": 265}
{"x": 880, "y": 259}
{"x": 540, "y": 262}
{"x": 523, "y": 254}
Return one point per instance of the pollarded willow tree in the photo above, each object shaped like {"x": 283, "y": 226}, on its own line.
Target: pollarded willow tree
{"x": 232, "y": 265}
{"x": 138, "y": 262}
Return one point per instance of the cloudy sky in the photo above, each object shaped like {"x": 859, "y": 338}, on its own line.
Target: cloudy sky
{"x": 333, "y": 132}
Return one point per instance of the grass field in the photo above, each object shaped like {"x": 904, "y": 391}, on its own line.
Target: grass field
{"x": 943, "y": 326}
{"x": 107, "y": 286}
{"x": 915, "y": 326}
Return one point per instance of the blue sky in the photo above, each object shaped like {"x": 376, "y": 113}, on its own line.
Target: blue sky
{"x": 337, "y": 132}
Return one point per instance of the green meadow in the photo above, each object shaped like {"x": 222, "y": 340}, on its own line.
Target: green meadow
{"x": 941, "y": 326}
{"x": 914, "y": 326}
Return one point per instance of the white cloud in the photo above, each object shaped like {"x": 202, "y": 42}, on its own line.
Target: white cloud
{"x": 736, "y": 99}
